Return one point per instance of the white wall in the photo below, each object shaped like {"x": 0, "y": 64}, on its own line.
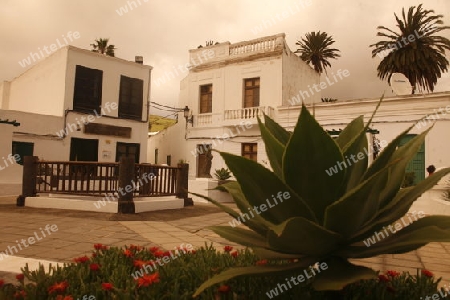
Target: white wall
{"x": 298, "y": 80}
{"x": 41, "y": 88}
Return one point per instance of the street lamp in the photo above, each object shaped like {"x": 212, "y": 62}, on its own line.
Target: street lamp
{"x": 189, "y": 117}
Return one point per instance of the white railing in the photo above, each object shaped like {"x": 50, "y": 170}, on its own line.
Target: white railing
{"x": 259, "y": 45}
{"x": 204, "y": 119}
{"x": 244, "y": 113}
{"x": 271, "y": 112}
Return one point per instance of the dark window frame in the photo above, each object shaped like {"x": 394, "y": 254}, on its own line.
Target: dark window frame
{"x": 252, "y": 153}
{"x": 205, "y": 99}
{"x": 253, "y": 99}
{"x": 129, "y": 145}
{"x": 87, "y": 93}
{"x": 131, "y": 89}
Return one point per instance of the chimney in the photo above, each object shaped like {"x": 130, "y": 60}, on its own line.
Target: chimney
{"x": 139, "y": 60}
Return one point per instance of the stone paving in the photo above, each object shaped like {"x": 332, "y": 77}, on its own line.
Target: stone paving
{"x": 78, "y": 231}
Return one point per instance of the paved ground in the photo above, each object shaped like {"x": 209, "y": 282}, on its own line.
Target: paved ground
{"x": 78, "y": 231}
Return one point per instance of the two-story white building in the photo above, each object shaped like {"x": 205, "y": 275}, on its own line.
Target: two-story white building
{"x": 227, "y": 87}
{"x": 79, "y": 105}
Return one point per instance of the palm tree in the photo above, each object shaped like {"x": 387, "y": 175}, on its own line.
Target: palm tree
{"x": 314, "y": 49}
{"x": 101, "y": 46}
{"x": 415, "y": 51}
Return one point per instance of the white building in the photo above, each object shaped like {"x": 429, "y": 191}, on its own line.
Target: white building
{"x": 79, "y": 105}
{"x": 229, "y": 85}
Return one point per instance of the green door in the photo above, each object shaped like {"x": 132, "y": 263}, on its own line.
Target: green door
{"x": 417, "y": 164}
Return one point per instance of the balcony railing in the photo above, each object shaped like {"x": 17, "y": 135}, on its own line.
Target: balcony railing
{"x": 265, "y": 44}
{"x": 244, "y": 113}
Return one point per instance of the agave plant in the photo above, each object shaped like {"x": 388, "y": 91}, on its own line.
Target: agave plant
{"x": 327, "y": 218}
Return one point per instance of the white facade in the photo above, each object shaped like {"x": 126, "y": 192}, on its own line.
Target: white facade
{"x": 283, "y": 77}
{"x": 226, "y": 66}
{"x": 43, "y": 100}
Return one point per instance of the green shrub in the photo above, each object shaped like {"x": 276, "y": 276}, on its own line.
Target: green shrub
{"x": 222, "y": 174}
{"x": 107, "y": 274}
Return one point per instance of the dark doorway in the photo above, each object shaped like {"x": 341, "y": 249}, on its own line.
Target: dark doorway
{"x": 22, "y": 149}
{"x": 128, "y": 150}
{"x": 204, "y": 160}
{"x": 83, "y": 149}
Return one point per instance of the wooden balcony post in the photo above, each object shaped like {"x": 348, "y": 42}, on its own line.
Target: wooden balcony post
{"x": 126, "y": 176}
{"x": 29, "y": 176}
{"x": 183, "y": 184}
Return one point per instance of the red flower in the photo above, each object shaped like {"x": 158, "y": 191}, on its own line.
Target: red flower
{"x": 20, "y": 277}
{"x": 20, "y": 295}
{"x": 383, "y": 278}
{"x": 94, "y": 267}
{"x": 224, "y": 289}
{"x": 106, "y": 286}
{"x": 234, "y": 254}
{"x": 127, "y": 253}
{"x": 261, "y": 262}
{"x": 100, "y": 247}
{"x": 139, "y": 263}
{"x": 393, "y": 273}
{"x": 135, "y": 247}
{"x": 154, "y": 249}
{"x": 81, "y": 259}
{"x": 227, "y": 248}
{"x": 427, "y": 273}
{"x": 159, "y": 253}
{"x": 2, "y": 283}
{"x": 58, "y": 287}
{"x": 147, "y": 280}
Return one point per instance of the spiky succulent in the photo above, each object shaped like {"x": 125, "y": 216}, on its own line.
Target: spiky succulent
{"x": 326, "y": 218}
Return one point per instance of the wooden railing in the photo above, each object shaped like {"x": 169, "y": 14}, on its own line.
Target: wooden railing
{"x": 99, "y": 179}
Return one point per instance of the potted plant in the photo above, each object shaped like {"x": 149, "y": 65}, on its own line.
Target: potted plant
{"x": 222, "y": 175}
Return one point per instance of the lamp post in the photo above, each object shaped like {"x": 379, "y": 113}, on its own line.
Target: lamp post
{"x": 189, "y": 117}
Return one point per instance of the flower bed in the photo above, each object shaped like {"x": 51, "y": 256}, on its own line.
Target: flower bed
{"x": 136, "y": 272}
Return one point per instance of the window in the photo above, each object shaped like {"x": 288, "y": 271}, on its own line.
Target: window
{"x": 128, "y": 150}
{"x": 206, "y": 99}
{"x": 156, "y": 156}
{"x": 131, "y": 98}
{"x": 169, "y": 160}
{"x": 87, "y": 95}
{"x": 22, "y": 149}
{"x": 83, "y": 150}
{"x": 250, "y": 151}
{"x": 251, "y": 92}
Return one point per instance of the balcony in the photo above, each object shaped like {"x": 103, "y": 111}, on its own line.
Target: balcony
{"x": 233, "y": 116}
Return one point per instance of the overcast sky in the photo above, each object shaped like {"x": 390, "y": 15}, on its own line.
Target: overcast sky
{"x": 163, "y": 32}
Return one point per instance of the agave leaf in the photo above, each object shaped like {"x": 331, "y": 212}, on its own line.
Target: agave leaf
{"x": 298, "y": 235}
{"x": 385, "y": 156}
{"x": 356, "y": 169}
{"x": 349, "y": 133}
{"x": 259, "y": 227}
{"x": 258, "y": 187}
{"x": 405, "y": 154}
{"x": 274, "y": 149}
{"x": 277, "y": 131}
{"x": 400, "y": 205}
{"x": 241, "y": 236}
{"x": 253, "y": 270}
{"x": 361, "y": 204}
{"x": 309, "y": 154}
{"x": 256, "y": 220}
{"x": 421, "y": 232}
{"x": 270, "y": 254}
{"x": 339, "y": 273}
